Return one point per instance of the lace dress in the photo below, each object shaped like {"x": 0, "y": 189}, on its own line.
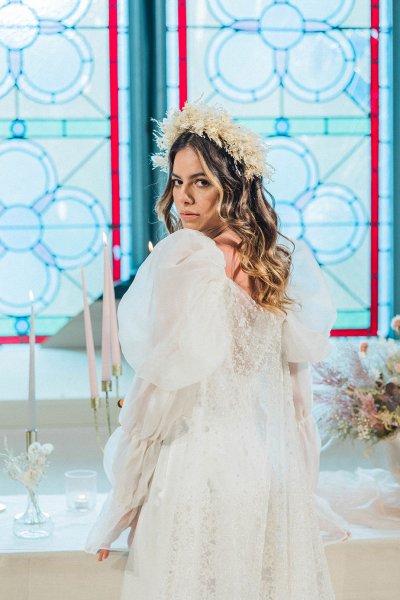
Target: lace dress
{"x": 208, "y": 466}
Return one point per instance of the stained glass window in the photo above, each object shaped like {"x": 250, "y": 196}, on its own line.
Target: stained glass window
{"x": 312, "y": 77}
{"x": 64, "y": 156}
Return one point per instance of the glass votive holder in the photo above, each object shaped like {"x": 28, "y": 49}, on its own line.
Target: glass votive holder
{"x": 80, "y": 489}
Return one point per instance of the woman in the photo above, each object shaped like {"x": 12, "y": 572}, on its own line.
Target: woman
{"x": 215, "y": 461}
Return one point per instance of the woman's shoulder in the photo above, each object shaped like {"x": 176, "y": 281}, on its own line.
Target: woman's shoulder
{"x": 186, "y": 243}
{"x": 184, "y": 237}
{"x": 228, "y": 242}
{"x": 173, "y": 320}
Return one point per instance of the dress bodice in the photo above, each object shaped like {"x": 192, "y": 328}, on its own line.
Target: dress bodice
{"x": 256, "y": 332}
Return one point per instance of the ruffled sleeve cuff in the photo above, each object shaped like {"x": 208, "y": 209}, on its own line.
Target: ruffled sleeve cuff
{"x": 147, "y": 418}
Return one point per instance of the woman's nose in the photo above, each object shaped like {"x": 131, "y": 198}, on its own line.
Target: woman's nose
{"x": 186, "y": 196}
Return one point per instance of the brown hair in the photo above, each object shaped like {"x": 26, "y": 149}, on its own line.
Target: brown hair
{"x": 243, "y": 208}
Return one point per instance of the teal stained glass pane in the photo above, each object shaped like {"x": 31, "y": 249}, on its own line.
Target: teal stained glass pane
{"x": 64, "y": 108}
{"x": 302, "y": 74}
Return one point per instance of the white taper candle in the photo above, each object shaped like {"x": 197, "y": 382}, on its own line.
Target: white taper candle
{"x": 32, "y": 372}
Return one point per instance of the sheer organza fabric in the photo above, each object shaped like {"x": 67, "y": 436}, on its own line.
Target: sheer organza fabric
{"x": 215, "y": 459}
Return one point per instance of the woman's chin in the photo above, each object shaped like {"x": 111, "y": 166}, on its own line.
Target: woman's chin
{"x": 191, "y": 226}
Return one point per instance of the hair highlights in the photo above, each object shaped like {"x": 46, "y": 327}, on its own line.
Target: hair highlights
{"x": 243, "y": 208}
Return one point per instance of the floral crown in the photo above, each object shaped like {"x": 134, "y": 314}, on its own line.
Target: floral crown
{"x": 245, "y": 146}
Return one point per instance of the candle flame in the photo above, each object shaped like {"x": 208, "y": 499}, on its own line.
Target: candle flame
{"x": 105, "y": 241}
{"x": 31, "y": 296}
{"x": 150, "y": 246}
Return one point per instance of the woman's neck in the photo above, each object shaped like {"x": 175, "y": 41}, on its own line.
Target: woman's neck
{"x": 215, "y": 230}
{"x": 227, "y": 235}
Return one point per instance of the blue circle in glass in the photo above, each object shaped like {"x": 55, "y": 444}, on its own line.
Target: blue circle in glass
{"x": 18, "y": 128}
{"x": 282, "y": 126}
{"x": 21, "y": 326}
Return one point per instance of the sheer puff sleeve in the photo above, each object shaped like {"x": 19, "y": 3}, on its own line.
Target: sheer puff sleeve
{"x": 173, "y": 332}
{"x": 308, "y": 323}
{"x": 171, "y": 320}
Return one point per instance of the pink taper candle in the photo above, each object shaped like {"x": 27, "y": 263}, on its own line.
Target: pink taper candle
{"x": 32, "y": 374}
{"x": 106, "y": 325}
{"x": 115, "y": 348}
{"x": 91, "y": 357}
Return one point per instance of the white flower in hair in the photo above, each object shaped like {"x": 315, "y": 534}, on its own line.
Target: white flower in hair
{"x": 245, "y": 146}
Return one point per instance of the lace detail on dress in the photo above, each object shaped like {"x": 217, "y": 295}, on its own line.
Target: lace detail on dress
{"x": 256, "y": 333}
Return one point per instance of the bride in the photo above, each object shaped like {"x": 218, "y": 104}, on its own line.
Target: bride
{"x": 215, "y": 461}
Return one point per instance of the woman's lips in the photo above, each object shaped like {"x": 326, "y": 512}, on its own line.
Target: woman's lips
{"x": 188, "y": 215}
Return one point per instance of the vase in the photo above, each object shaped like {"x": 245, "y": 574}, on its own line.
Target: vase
{"x": 33, "y": 523}
{"x": 392, "y": 451}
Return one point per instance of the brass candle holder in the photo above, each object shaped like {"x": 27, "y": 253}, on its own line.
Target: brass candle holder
{"x": 31, "y": 435}
{"x": 95, "y": 404}
{"x": 106, "y": 386}
{"x": 117, "y": 372}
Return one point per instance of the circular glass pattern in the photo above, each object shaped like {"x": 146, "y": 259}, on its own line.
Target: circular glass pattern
{"x": 281, "y": 26}
{"x": 36, "y": 233}
{"x": 19, "y": 26}
{"x": 280, "y": 44}
{"x": 20, "y": 228}
{"x": 43, "y": 54}
{"x": 308, "y": 208}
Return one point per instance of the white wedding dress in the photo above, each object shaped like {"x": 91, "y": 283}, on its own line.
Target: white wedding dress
{"x": 214, "y": 438}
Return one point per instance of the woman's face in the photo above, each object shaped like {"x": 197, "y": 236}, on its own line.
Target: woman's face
{"x": 194, "y": 195}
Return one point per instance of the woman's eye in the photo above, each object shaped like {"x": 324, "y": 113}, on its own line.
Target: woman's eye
{"x": 175, "y": 182}
{"x": 204, "y": 182}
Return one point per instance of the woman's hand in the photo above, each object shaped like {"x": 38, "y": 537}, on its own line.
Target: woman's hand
{"x": 103, "y": 554}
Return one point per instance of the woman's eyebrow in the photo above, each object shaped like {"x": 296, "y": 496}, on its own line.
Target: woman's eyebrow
{"x": 191, "y": 176}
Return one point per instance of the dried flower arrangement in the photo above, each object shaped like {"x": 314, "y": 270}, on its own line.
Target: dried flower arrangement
{"x": 27, "y": 467}
{"x": 362, "y": 389}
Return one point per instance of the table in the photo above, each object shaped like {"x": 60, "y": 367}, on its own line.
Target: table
{"x": 70, "y": 527}
{"x": 57, "y": 568}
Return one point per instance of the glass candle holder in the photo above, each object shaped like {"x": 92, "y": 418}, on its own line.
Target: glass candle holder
{"x": 80, "y": 489}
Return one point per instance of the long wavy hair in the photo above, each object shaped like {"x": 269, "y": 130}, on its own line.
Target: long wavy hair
{"x": 243, "y": 207}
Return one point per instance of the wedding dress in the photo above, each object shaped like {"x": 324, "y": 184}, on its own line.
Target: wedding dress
{"x": 209, "y": 466}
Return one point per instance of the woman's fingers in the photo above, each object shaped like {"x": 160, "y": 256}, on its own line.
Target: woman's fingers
{"x": 103, "y": 554}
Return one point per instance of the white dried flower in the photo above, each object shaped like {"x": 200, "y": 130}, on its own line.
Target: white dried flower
{"x": 28, "y": 467}
{"x": 245, "y": 146}
{"x": 34, "y": 448}
{"x": 47, "y": 449}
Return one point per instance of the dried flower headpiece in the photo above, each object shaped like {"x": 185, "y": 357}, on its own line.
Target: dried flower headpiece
{"x": 245, "y": 146}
